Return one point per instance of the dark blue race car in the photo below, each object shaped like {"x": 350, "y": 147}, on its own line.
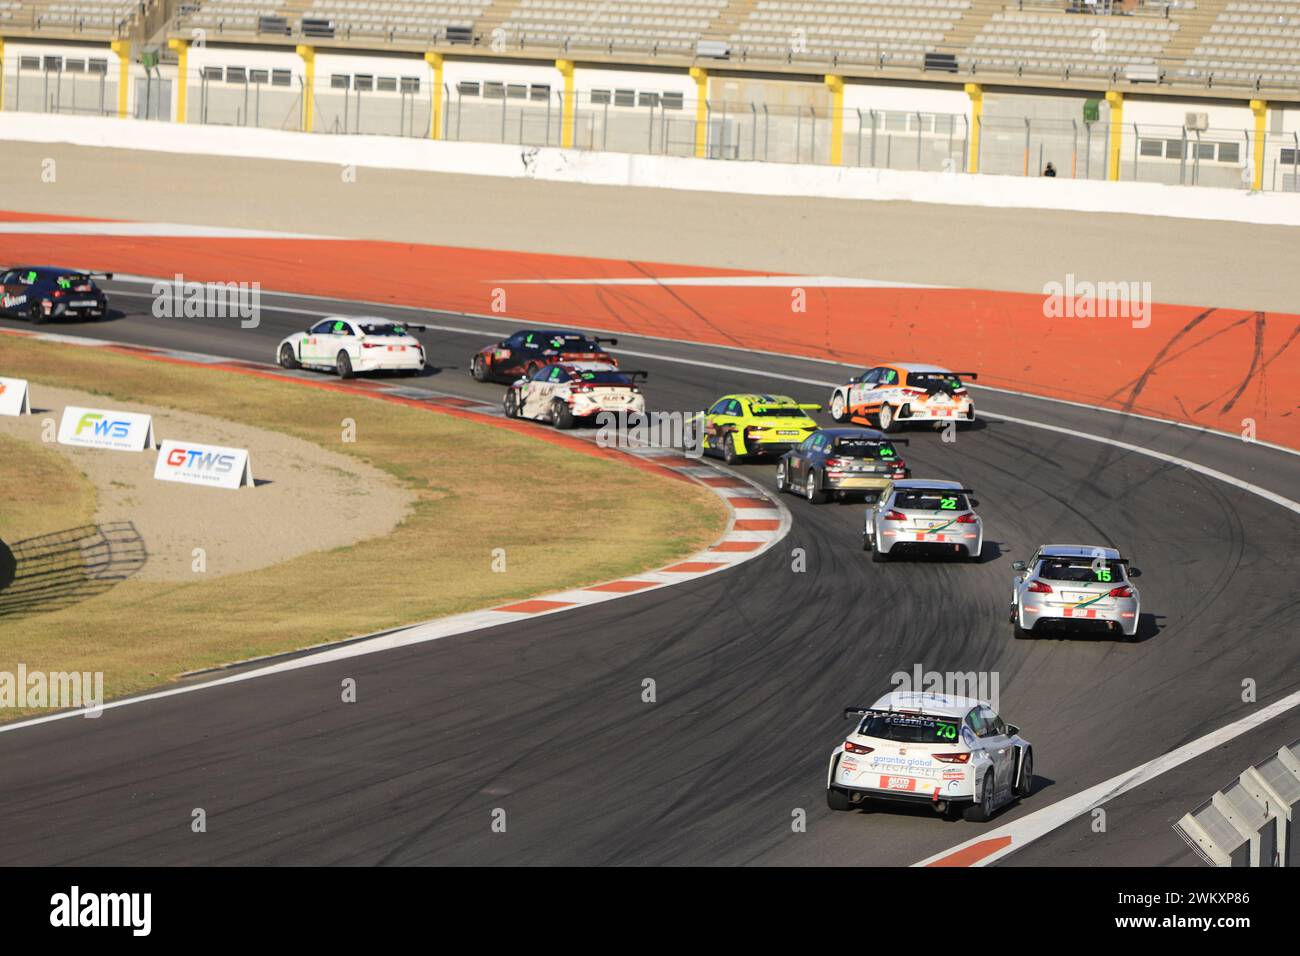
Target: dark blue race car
{"x": 40, "y": 293}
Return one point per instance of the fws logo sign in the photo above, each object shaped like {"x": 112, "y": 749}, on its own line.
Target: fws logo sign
{"x": 104, "y": 428}
{"x": 211, "y": 465}
{"x": 14, "y": 399}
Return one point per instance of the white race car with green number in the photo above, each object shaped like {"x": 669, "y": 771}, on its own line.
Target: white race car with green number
{"x": 352, "y": 345}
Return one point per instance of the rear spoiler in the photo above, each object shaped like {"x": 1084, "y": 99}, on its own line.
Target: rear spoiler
{"x": 98, "y": 275}
{"x": 598, "y": 341}
{"x": 413, "y": 325}
{"x": 970, "y": 375}
{"x": 637, "y": 376}
{"x": 857, "y": 711}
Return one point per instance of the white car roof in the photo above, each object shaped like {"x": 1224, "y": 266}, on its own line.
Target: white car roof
{"x": 935, "y": 705}
{"x": 919, "y": 367}
{"x": 927, "y": 484}
{"x": 1078, "y": 551}
{"x": 590, "y": 366}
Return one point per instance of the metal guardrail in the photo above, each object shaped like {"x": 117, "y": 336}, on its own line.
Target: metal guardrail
{"x": 1251, "y": 821}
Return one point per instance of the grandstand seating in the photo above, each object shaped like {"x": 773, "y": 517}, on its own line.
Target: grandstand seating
{"x": 94, "y": 16}
{"x": 893, "y": 31}
{"x": 1249, "y": 40}
{"x": 1053, "y": 42}
{"x": 668, "y": 25}
{"x": 1245, "y": 43}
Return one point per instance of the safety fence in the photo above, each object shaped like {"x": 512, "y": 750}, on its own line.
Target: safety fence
{"x": 666, "y": 123}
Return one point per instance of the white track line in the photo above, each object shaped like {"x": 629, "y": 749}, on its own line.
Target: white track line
{"x": 1041, "y": 822}
{"x": 1100, "y": 793}
{"x": 711, "y": 345}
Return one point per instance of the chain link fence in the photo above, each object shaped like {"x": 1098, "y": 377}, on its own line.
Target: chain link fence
{"x": 665, "y": 124}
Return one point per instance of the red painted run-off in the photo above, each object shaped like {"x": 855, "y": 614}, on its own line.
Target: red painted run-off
{"x": 1213, "y": 367}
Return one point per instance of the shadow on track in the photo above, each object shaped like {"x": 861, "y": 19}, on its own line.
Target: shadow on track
{"x": 52, "y": 571}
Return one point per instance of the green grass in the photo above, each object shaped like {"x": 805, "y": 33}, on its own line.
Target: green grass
{"x": 565, "y": 519}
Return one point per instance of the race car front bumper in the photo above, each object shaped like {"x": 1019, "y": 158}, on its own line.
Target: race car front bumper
{"x": 1121, "y": 613}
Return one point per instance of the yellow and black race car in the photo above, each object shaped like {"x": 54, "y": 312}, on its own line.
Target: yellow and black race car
{"x": 740, "y": 426}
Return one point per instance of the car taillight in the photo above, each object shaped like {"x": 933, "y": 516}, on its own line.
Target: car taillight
{"x": 1040, "y": 588}
{"x": 753, "y": 432}
{"x": 1124, "y": 591}
{"x": 952, "y": 758}
{"x": 372, "y": 345}
{"x": 967, "y": 518}
{"x": 838, "y": 462}
{"x": 851, "y": 748}
{"x": 58, "y": 293}
{"x": 895, "y": 516}
{"x": 580, "y": 388}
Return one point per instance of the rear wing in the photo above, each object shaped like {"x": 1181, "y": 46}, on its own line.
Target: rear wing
{"x": 970, "y": 375}
{"x": 637, "y": 375}
{"x": 605, "y": 341}
{"x": 97, "y": 275}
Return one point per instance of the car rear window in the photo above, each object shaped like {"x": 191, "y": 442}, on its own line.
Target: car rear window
{"x": 930, "y": 501}
{"x": 910, "y": 728}
{"x": 604, "y": 378}
{"x": 562, "y": 341}
{"x": 1080, "y": 570}
{"x": 935, "y": 381}
{"x": 871, "y": 448}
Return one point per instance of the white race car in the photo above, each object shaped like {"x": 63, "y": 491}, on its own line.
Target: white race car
{"x": 567, "y": 391}
{"x": 350, "y": 345}
{"x": 937, "y": 750}
{"x": 892, "y": 395}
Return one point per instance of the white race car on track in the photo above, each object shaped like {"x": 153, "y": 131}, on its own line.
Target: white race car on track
{"x": 1075, "y": 586}
{"x": 350, "y": 345}
{"x": 934, "y": 750}
{"x": 892, "y": 395}
{"x": 567, "y": 391}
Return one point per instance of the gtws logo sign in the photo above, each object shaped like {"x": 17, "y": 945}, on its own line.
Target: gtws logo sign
{"x": 196, "y": 464}
{"x": 102, "y": 428}
{"x": 13, "y": 397}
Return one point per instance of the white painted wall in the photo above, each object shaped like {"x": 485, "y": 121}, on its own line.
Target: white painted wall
{"x": 667, "y": 172}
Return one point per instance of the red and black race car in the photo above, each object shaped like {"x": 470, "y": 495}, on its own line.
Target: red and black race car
{"x": 526, "y": 351}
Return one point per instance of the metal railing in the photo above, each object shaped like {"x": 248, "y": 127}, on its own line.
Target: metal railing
{"x": 667, "y": 125}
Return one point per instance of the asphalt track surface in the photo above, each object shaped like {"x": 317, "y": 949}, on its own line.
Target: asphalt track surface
{"x": 545, "y": 718}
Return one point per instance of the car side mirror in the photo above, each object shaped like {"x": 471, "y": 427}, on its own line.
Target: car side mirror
{"x": 1012, "y": 730}
{"x": 974, "y": 503}
{"x": 1135, "y": 572}
{"x": 1017, "y": 565}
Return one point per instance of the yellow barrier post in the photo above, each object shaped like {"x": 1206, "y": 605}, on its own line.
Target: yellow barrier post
{"x": 182, "y": 48}
{"x": 123, "y": 50}
{"x": 1116, "y": 100}
{"x": 1260, "y": 109}
{"x": 435, "y": 60}
{"x": 836, "y": 86}
{"x": 567, "y": 112}
{"x": 308, "y": 55}
{"x": 701, "y": 78}
{"x": 976, "y": 94}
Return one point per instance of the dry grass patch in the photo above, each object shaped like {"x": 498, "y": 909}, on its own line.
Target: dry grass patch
{"x": 563, "y": 519}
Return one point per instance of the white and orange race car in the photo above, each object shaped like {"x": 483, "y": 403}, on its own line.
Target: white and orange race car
{"x": 891, "y": 395}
